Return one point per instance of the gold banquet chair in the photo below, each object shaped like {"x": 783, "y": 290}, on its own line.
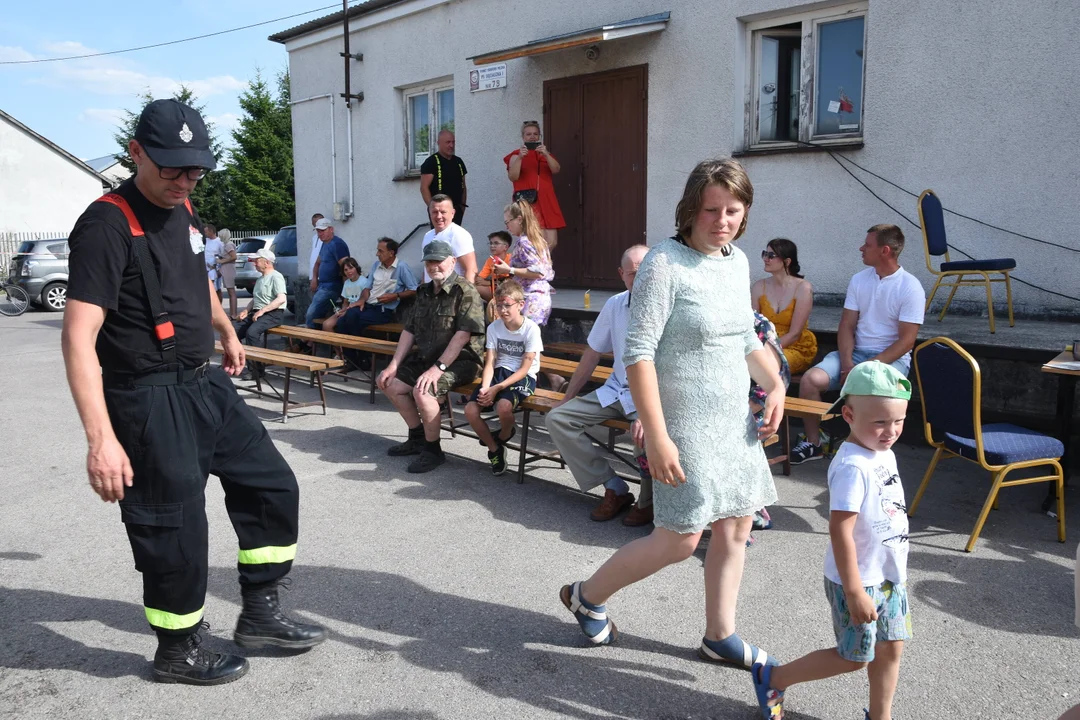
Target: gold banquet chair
{"x": 950, "y": 385}
{"x": 932, "y": 219}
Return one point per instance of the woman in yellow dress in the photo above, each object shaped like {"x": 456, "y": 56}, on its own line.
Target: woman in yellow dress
{"x": 786, "y": 299}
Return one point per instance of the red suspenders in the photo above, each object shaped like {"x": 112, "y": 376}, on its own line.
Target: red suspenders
{"x": 163, "y": 327}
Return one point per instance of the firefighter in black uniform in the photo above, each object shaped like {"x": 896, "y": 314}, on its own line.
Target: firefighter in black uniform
{"x": 138, "y": 334}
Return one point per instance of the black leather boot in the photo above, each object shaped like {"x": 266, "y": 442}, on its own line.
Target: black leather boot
{"x": 413, "y": 446}
{"x": 262, "y": 623}
{"x": 180, "y": 659}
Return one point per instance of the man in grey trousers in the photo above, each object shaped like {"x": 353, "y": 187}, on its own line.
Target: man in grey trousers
{"x": 569, "y": 420}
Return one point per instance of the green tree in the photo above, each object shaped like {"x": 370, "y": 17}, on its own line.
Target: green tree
{"x": 211, "y": 196}
{"x": 261, "y": 162}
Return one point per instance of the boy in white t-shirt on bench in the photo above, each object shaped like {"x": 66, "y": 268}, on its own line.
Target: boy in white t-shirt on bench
{"x": 511, "y": 363}
{"x": 866, "y": 559}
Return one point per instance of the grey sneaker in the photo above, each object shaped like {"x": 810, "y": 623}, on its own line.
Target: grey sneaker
{"x": 805, "y": 452}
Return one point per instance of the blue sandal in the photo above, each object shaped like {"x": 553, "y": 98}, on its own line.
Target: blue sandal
{"x": 593, "y": 619}
{"x": 733, "y": 650}
{"x": 770, "y": 700}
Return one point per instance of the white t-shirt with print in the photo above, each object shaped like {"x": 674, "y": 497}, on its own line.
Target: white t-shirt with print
{"x": 460, "y": 241}
{"x": 883, "y": 303}
{"x": 352, "y": 289}
{"x": 511, "y": 345}
{"x": 867, "y": 482}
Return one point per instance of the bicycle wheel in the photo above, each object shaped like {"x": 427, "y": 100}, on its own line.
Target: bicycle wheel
{"x": 13, "y": 300}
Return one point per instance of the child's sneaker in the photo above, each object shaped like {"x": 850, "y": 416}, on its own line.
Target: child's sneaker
{"x": 770, "y": 700}
{"x": 498, "y": 461}
{"x": 762, "y": 520}
{"x": 806, "y": 451}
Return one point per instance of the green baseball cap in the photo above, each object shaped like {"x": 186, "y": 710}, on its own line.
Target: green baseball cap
{"x": 875, "y": 378}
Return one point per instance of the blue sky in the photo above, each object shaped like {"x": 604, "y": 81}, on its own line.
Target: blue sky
{"x": 76, "y": 103}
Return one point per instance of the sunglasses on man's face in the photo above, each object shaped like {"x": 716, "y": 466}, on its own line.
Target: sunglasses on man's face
{"x": 768, "y": 255}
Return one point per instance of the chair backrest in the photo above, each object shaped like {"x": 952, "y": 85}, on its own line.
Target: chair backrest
{"x": 949, "y": 386}
{"x": 932, "y": 219}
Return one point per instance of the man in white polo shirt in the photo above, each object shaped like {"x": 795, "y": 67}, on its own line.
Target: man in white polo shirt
{"x": 882, "y": 314}
{"x": 573, "y": 415}
{"x": 443, "y": 227}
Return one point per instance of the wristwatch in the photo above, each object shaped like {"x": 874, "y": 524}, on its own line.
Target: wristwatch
{"x": 440, "y": 365}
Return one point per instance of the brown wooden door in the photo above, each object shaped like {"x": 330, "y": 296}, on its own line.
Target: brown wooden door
{"x": 595, "y": 126}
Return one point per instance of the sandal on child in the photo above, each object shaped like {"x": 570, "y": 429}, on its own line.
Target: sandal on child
{"x": 593, "y": 619}
{"x": 770, "y": 700}
{"x": 733, "y": 650}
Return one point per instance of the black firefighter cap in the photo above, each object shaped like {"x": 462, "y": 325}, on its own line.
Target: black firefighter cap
{"x": 174, "y": 135}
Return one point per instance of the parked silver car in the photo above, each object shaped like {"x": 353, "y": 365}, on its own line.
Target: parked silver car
{"x": 40, "y": 267}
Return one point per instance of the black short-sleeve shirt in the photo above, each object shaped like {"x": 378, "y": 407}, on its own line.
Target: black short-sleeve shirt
{"x": 453, "y": 174}
{"x": 103, "y": 270}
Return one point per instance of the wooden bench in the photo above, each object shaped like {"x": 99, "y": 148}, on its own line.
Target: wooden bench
{"x": 374, "y": 346}
{"x": 802, "y": 409}
{"x": 289, "y": 361}
{"x": 573, "y": 349}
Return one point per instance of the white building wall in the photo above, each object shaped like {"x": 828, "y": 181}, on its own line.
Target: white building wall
{"x": 40, "y": 190}
{"x": 976, "y": 104}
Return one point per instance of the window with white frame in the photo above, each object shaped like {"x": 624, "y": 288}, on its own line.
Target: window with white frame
{"x": 429, "y": 110}
{"x": 805, "y": 79}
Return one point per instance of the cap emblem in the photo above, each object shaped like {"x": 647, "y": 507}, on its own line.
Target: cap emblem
{"x": 186, "y": 134}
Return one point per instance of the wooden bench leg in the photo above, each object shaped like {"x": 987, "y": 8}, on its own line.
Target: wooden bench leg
{"x": 524, "y": 445}
{"x": 785, "y": 444}
{"x": 322, "y": 391}
{"x": 285, "y": 395}
{"x": 374, "y": 375}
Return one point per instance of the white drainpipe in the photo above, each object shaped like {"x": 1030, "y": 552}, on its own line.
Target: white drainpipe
{"x": 333, "y": 148}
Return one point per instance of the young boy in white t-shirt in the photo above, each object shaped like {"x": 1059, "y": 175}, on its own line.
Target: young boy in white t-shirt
{"x": 511, "y": 363}
{"x": 866, "y": 560}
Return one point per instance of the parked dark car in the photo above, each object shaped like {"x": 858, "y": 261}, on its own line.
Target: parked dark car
{"x": 40, "y": 267}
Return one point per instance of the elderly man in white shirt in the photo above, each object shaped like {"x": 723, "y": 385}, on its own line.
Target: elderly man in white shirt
{"x": 316, "y": 244}
{"x": 569, "y": 420}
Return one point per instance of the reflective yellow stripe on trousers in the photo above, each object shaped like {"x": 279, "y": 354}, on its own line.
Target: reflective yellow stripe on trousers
{"x": 172, "y": 621}
{"x": 264, "y": 555}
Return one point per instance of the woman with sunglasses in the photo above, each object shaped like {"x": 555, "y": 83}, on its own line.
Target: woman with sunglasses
{"x": 786, "y": 299}
{"x": 531, "y": 168}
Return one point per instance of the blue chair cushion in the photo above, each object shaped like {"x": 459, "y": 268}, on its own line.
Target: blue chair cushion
{"x": 1004, "y": 444}
{"x": 998, "y": 264}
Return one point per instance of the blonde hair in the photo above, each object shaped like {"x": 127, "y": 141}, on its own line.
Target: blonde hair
{"x": 529, "y": 124}
{"x": 510, "y": 289}
{"x": 530, "y": 226}
{"x": 726, "y": 173}
{"x": 224, "y": 235}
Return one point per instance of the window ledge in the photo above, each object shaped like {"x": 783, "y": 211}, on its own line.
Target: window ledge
{"x": 793, "y": 149}
{"x": 406, "y": 177}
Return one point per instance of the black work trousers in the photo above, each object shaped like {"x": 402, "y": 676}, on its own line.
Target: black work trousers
{"x": 175, "y": 436}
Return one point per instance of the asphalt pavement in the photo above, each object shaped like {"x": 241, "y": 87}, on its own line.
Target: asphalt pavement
{"x": 440, "y": 590}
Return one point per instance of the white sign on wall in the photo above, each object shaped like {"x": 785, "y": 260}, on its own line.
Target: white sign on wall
{"x": 489, "y": 77}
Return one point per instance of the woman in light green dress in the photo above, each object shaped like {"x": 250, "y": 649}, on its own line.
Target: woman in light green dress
{"x": 690, "y": 352}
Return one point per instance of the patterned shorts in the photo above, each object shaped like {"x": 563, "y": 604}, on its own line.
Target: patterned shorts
{"x": 856, "y": 642}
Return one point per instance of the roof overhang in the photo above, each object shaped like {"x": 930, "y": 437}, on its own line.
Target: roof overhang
{"x": 592, "y": 36}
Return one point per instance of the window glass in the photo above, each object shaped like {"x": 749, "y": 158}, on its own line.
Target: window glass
{"x": 839, "y": 77}
{"x": 419, "y": 129}
{"x": 58, "y": 248}
{"x": 444, "y": 101}
{"x": 285, "y": 242}
{"x": 778, "y": 88}
{"x": 250, "y": 246}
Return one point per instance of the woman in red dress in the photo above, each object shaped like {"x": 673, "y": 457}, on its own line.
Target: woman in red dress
{"x": 530, "y": 168}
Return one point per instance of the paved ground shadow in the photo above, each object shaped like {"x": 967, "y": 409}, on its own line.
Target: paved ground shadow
{"x": 500, "y": 649}
{"x": 26, "y": 644}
